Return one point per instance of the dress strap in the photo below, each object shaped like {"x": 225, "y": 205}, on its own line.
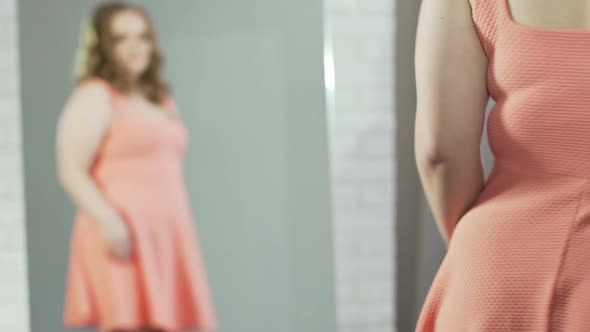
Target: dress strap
{"x": 485, "y": 15}
{"x": 169, "y": 103}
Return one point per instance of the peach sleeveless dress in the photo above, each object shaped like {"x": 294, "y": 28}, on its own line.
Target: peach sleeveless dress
{"x": 519, "y": 259}
{"x": 139, "y": 170}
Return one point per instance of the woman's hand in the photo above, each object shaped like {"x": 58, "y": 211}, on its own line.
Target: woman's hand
{"x": 118, "y": 238}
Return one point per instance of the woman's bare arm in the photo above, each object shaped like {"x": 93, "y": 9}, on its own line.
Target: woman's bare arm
{"x": 81, "y": 127}
{"x": 452, "y": 95}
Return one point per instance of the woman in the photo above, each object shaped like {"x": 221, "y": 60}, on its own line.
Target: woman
{"x": 135, "y": 263}
{"x": 518, "y": 255}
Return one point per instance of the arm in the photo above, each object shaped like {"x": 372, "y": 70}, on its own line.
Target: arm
{"x": 81, "y": 126}
{"x": 171, "y": 106}
{"x": 452, "y": 94}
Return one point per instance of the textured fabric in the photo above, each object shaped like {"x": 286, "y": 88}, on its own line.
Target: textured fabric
{"x": 139, "y": 170}
{"x": 519, "y": 259}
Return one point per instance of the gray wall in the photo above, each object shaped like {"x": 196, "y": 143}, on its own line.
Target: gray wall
{"x": 408, "y": 202}
{"x": 248, "y": 77}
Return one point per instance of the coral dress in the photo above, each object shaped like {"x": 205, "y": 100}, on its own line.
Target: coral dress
{"x": 139, "y": 170}
{"x": 519, "y": 259}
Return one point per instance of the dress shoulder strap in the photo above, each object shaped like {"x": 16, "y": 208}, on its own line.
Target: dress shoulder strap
{"x": 486, "y": 15}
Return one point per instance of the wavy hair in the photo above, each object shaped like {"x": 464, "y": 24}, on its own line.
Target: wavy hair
{"x": 95, "y": 57}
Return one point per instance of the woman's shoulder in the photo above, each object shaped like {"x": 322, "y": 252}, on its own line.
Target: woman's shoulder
{"x": 95, "y": 83}
{"x": 93, "y": 90}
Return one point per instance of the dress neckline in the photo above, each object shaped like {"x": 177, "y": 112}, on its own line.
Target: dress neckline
{"x": 528, "y": 28}
{"x": 134, "y": 109}
{"x": 118, "y": 95}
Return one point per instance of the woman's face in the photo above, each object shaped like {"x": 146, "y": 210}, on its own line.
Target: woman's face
{"x": 131, "y": 41}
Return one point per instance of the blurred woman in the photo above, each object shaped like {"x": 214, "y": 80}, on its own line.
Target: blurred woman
{"x": 135, "y": 262}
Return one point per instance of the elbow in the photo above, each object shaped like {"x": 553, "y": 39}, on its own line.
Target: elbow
{"x": 64, "y": 180}
{"x": 62, "y": 174}
{"x": 68, "y": 178}
{"x": 432, "y": 157}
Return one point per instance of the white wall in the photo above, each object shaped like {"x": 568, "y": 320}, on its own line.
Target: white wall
{"x": 362, "y": 157}
{"x": 13, "y": 273}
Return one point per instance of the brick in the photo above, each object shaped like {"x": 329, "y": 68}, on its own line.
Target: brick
{"x": 376, "y": 26}
{"x": 363, "y": 165}
{"x": 365, "y": 100}
{"x": 352, "y": 218}
{"x": 368, "y": 267}
{"x": 10, "y": 241}
{"x": 383, "y": 7}
{"x": 364, "y": 75}
{"x": 376, "y": 49}
{"x": 345, "y": 194}
{"x": 377, "y": 144}
{"x": 376, "y": 194}
{"x": 8, "y": 9}
{"x": 345, "y": 25}
{"x": 340, "y": 6}
{"x": 8, "y": 33}
{"x": 344, "y": 145}
{"x": 365, "y": 314}
{"x": 366, "y": 243}
{"x": 363, "y": 170}
{"x": 13, "y": 276}
{"x": 353, "y": 123}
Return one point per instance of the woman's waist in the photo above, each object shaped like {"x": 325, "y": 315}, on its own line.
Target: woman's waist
{"x": 144, "y": 170}
{"x": 142, "y": 191}
{"x": 544, "y": 165}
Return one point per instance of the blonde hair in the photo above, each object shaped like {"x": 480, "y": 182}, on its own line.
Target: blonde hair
{"x": 87, "y": 42}
{"x": 95, "y": 55}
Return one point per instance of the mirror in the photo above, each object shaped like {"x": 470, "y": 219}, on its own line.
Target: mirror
{"x": 207, "y": 166}
{"x": 218, "y": 188}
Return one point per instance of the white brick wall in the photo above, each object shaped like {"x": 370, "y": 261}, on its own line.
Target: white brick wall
{"x": 363, "y": 168}
{"x": 14, "y": 314}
